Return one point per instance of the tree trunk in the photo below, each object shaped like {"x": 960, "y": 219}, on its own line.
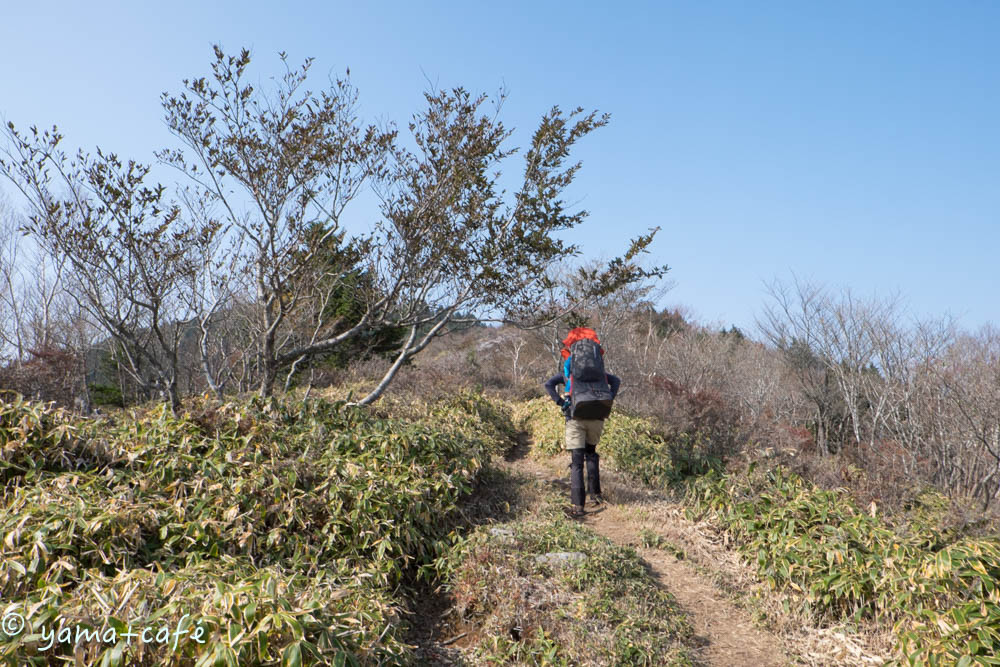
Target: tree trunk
{"x": 173, "y": 397}
{"x": 205, "y": 364}
{"x": 270, "y": 372}
{"x": 391, "y": 373}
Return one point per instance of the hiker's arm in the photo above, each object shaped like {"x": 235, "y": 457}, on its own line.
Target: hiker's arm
{"x": 615, "y": 382}
{"x": 550, "y": 387}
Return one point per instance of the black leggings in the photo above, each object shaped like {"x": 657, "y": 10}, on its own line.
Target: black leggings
{"x": 589, "y": 455}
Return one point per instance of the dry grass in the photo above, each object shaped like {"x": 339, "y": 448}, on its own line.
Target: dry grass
{"x": 601, "y": 611}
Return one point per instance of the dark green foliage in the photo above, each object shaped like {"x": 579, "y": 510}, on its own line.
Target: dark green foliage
{"x": 342, "y": 292}
{"x": 733, "y": 333}
{"x": 575, "y": 319}
{"x": 106, "y": 394}
{"x": 669, "y": 322}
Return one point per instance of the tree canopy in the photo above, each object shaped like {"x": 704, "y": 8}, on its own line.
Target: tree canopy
{"x": 259, "y": 223}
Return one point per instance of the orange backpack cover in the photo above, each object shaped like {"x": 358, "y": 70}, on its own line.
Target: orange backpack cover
{"x": 576, "y": 334}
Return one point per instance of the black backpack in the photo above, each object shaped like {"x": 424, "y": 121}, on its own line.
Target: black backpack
{"x": 589, "y": 393}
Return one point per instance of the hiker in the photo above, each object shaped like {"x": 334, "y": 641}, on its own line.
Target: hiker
{"x": 590, "y": 392}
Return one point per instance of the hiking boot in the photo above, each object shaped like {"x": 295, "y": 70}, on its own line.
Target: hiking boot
{"x": 575, "y": 511}
{"x": 598, "y": 500}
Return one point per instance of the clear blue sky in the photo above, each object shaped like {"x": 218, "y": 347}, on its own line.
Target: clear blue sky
{"x": 853, "y": 143}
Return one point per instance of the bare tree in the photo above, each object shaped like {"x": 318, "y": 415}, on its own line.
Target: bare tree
{"x": 970, "y": 382}
{"x": 125, "y": 248}
{"x": 898, "y": 416}
{"x": 799, "y": 323}
{"x": 39, "y": 329}
{"x": 213, "y": 292}
{"x": 12, "y": 288}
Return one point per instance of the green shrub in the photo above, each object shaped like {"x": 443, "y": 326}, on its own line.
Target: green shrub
{"x": 106, "y": 394}
{"x": 849, "y": 562}
{"x": 544, "y": 422}
{"x": 635, "y": 445}
{"x": 953, "y": 599}
{"x": 38, "y": 437}
{"x": 286, "y": 527}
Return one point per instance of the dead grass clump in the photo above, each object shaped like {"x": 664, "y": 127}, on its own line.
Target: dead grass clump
{"x": 604, "y": 609}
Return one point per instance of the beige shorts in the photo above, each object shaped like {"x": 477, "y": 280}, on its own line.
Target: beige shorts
{"x": 582, "y": 432}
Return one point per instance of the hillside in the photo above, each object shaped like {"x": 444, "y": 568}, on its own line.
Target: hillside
{"x": 423, "y": 531}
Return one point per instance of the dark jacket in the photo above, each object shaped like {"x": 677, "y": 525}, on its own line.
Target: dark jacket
{"x": 560, "y": 379}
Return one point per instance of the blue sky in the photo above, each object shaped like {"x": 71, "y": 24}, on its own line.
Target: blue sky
{"x": 856, "y": 144}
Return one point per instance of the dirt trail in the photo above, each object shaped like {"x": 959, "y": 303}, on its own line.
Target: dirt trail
{"x": 727, "y": 635}
{"x": 693, "y": 562}
{"x": 697, "y": 566}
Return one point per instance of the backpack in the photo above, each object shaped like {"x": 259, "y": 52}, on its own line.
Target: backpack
{"x": 586, "y": 380}
{"x": 574, "y": 335}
